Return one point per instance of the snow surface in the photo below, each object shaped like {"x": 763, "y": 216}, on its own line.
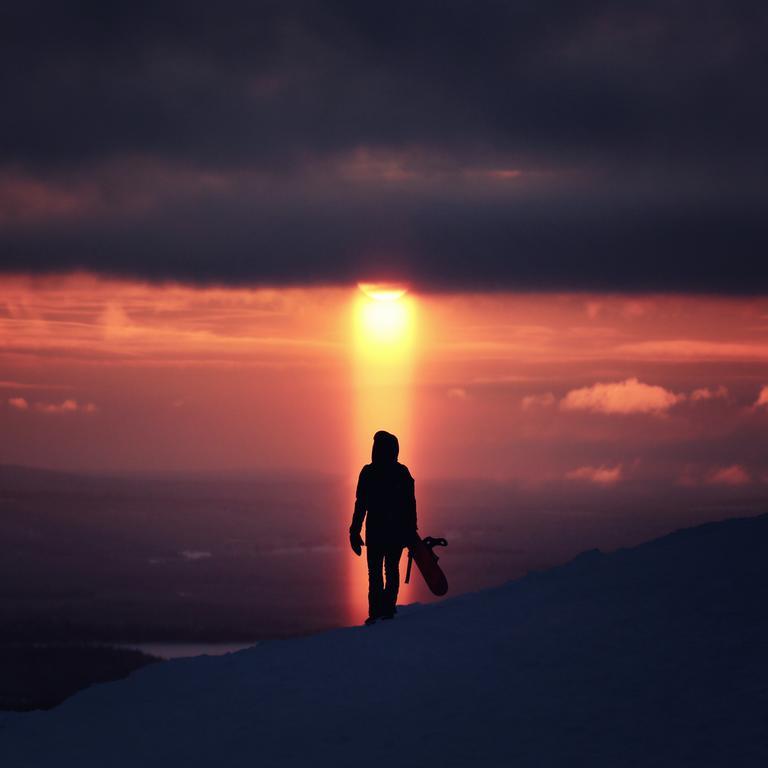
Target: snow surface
{"x": 652, "y": 656}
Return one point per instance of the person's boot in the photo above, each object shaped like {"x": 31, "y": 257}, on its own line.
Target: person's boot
{"x": 389, "y": 611}
{"x": 370, "y": 620}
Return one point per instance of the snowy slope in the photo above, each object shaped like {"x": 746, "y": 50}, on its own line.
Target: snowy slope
{"x": 654, "y": 656}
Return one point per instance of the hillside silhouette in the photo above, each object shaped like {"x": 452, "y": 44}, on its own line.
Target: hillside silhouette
{"x": 652, "y": 656}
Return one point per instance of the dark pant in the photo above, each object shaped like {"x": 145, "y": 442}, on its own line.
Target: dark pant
{"x": 382, "y": 599}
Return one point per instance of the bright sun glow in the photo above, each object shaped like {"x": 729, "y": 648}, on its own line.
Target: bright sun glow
{"x": 385, "y": 322}
{"x": 383, "y": 291}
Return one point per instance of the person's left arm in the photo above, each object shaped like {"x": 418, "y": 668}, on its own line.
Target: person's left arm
{"x": 355, "y": 539}
{"x": 410, "y": 503}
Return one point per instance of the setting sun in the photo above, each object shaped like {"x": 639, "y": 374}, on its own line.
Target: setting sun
{"x": 383, "y": 291}
{"x": 384, "y": 321}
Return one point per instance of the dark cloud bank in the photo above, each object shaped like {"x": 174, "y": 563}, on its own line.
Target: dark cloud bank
{"x": 595, "y": 145}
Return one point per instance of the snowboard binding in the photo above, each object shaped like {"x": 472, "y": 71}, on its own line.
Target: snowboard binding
{"x": 431, "y": 542}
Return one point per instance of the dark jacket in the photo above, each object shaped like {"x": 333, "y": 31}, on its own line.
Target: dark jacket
{"x": 385, "y": 497}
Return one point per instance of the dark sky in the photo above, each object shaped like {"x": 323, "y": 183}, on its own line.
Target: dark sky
{"x": 493, "y": 145}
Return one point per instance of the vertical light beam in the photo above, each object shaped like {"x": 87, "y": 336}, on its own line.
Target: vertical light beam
{"x": 383, "y": 322}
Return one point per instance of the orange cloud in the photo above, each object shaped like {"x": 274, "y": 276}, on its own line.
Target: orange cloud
{"x": 694, "y": 349}
{"x": 593, "y": 308}
{"x": 621, "y": 397}
{"x": 19, "y": 403}
{"x": 733, "y": 475}
{"x": 88, "y": 318}
{"x": 24, "y": 385}
{"x": 505, "y": 173}
{"x": 635, "y": 309}
{"x": 762, "y": 398}
{"x": 709, "y": 394}
{"x": 598, "y": 475}
{"x": 68, "y": 406}
{"x": 543, "y": 400}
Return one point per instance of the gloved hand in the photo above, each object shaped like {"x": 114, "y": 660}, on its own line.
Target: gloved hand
{"x": 356, "y": 542}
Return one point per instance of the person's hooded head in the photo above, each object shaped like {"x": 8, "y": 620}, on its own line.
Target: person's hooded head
{"x": 385, "y": 448}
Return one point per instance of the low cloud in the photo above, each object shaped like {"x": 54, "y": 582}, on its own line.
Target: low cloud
{"x": 695, "y": 350}
{"x": 24, "y": 385}
{"x": 709, "y": 394}
{"x": 195, "y": 554}
{"x": 67, "y": 406}
{"x": 593, "y": 309}
{"x": 531, "y": 402}
{"x": 457, "y": 393}
{"x": 19, "y": 403}
{"x": 635, "y": 309}
{"x": 732, "y": 475}
{"x": 621, "y": 397}
{"x": 762, "y": 398}
{"x": 598, "y": 475}
{"x": 301, "y": 550}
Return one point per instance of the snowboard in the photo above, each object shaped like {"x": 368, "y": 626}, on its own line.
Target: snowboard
{"x": 421, "y": 551}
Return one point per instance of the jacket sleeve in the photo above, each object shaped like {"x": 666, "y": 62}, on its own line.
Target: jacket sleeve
{"x": 361, "y": 504}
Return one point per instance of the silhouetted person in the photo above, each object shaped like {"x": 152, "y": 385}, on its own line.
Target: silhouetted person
{"x": 387, "y": 501}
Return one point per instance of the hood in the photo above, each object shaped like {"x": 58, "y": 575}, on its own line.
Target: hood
{"x": 385, "y": 448}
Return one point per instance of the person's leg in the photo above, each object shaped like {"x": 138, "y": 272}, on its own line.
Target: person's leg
{"x": 392, "y": 571}
{"x": 375, "y": 557}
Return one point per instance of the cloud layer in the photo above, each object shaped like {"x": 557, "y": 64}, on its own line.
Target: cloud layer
{"x": 598, "y": 475}
{"x": 623, "y": 397}
{"x": 549, "y": 145}
{"x": 731, "y": 475}
{"x": 66, "y": 406}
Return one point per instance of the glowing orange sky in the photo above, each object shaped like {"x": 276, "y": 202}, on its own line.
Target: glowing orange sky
{"x": 104, "y": 374}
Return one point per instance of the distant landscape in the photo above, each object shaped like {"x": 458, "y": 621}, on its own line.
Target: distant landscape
{"x": 40, "y": 677}
{"x": 650, "y": 656}
{"x": 119, "y": 560}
